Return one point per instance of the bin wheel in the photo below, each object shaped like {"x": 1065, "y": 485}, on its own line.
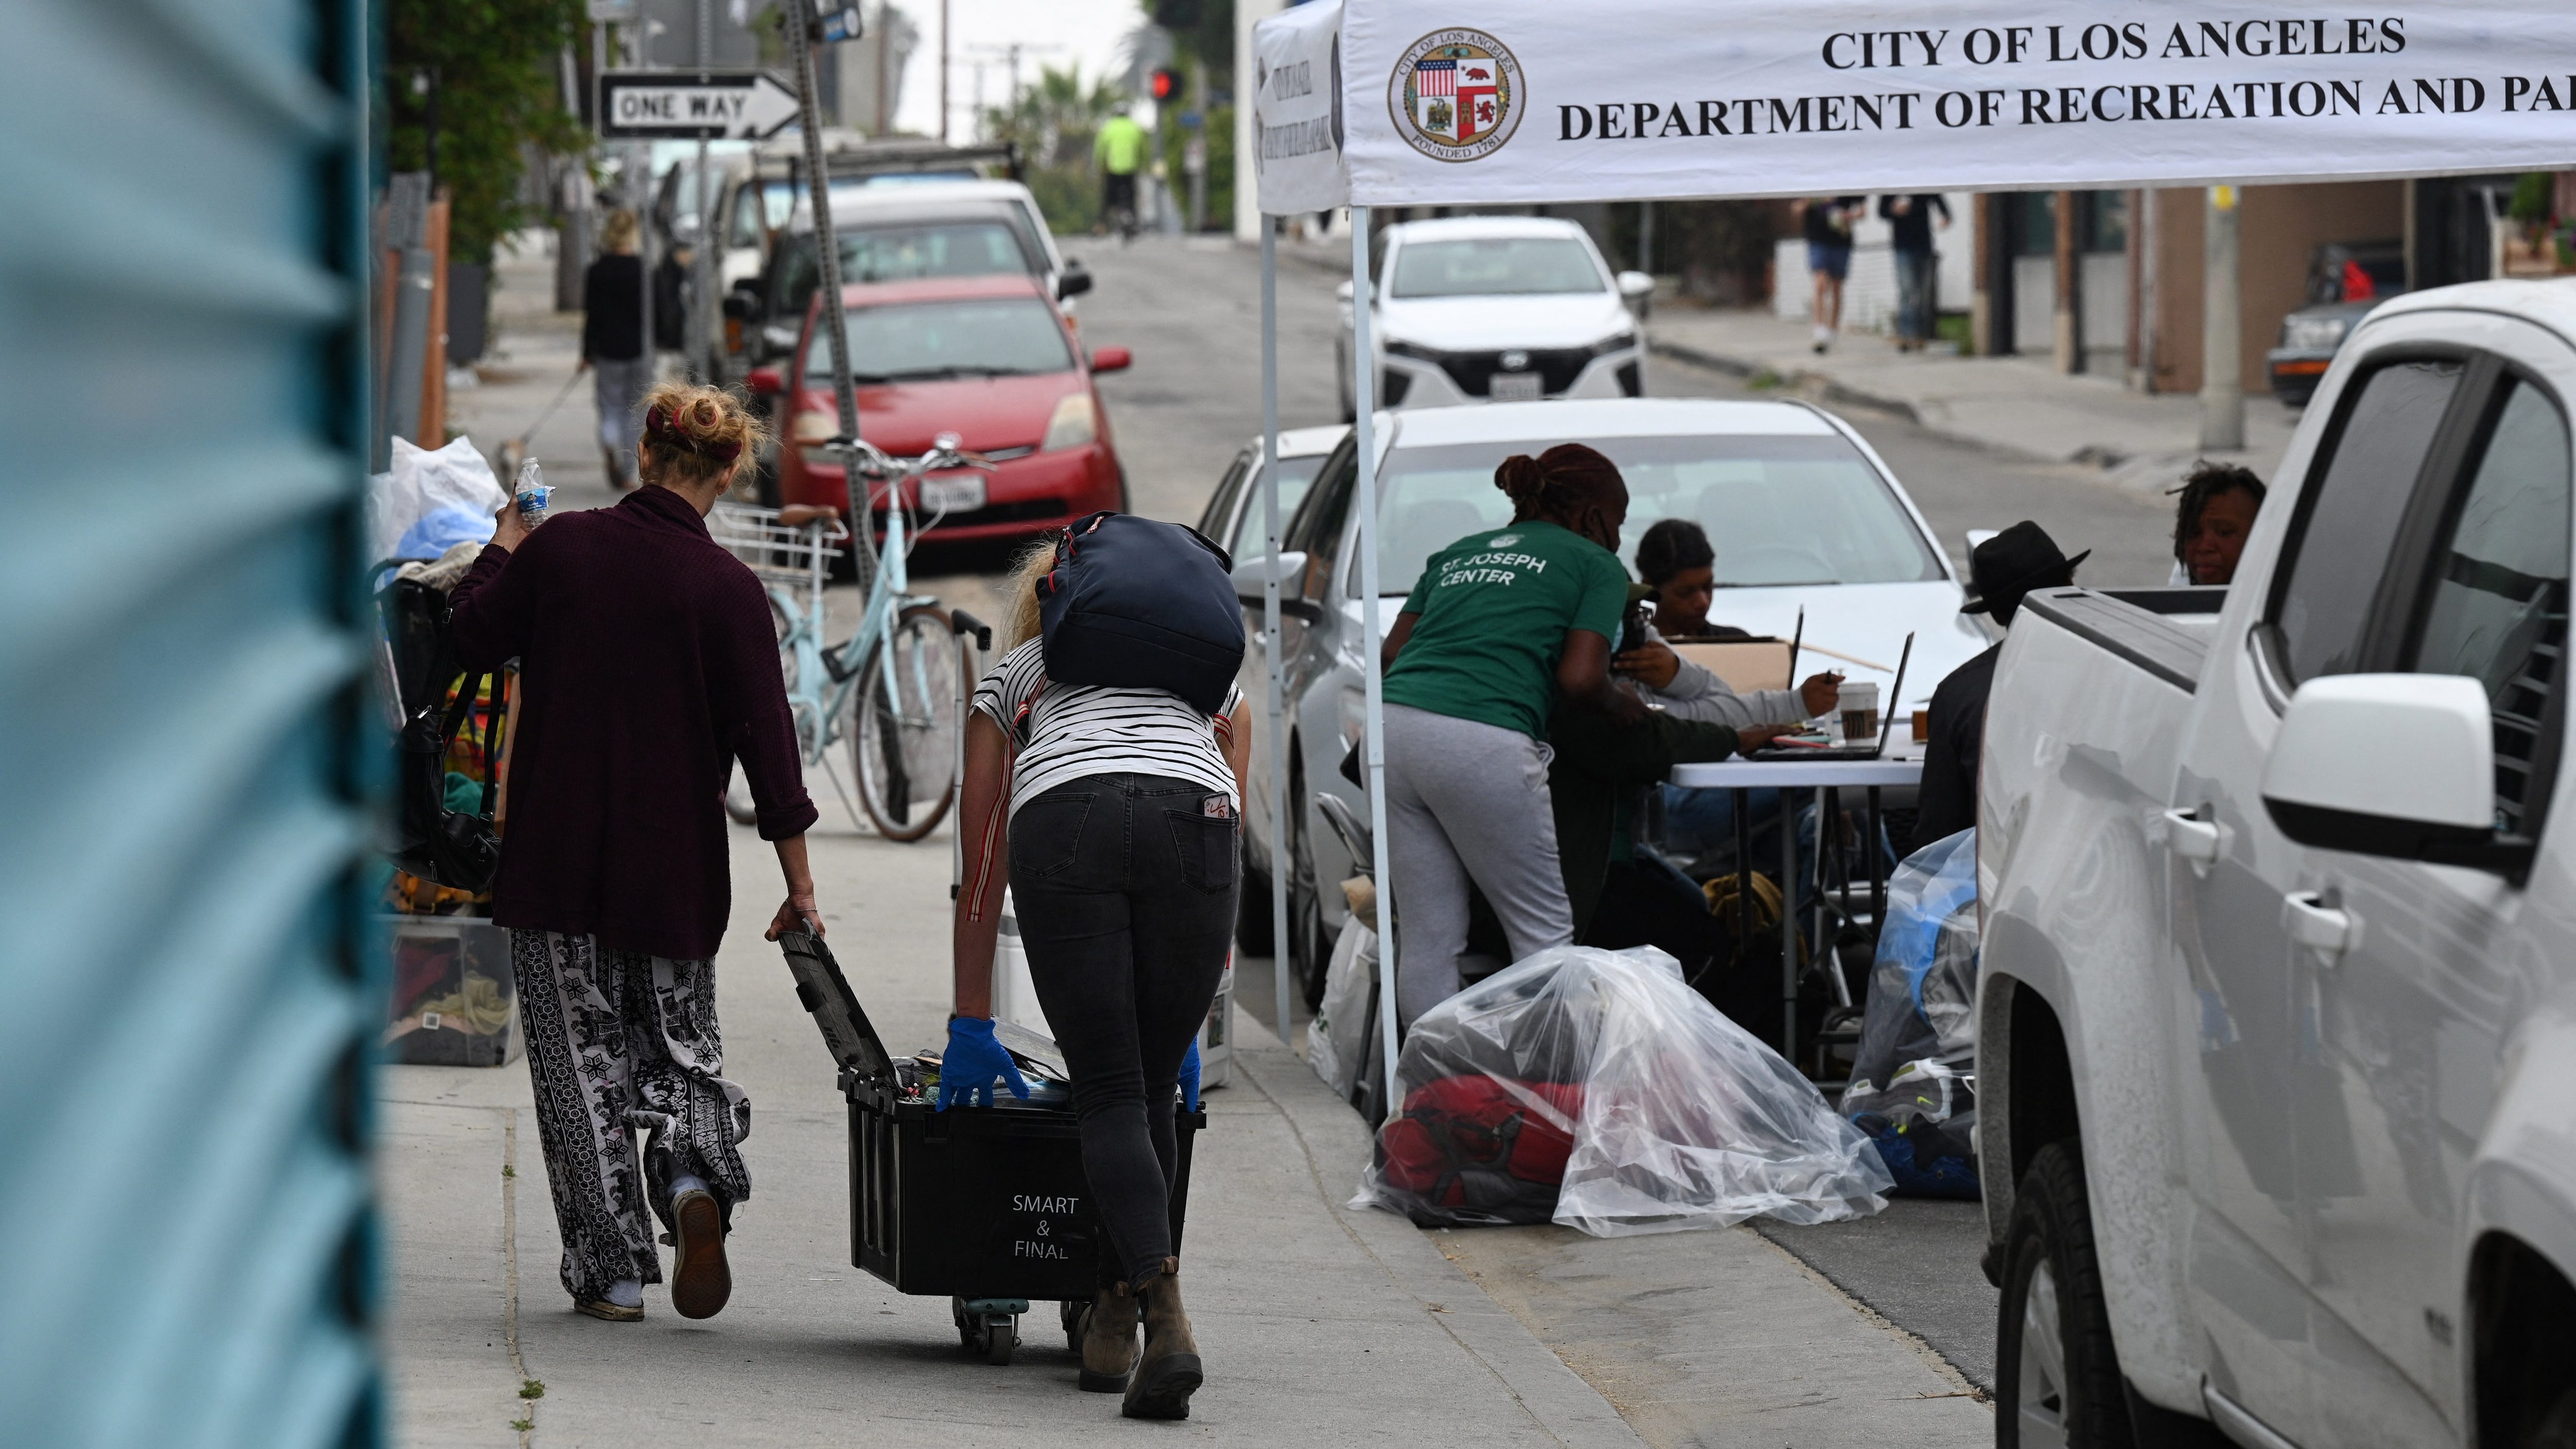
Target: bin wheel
{"x": 1001, "y": 1335}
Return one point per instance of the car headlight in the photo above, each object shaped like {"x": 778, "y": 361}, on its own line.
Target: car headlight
{"x": 2313, "y": 334}
{"x": 1619, "y": 341}
{"x": 1413, "y": 350}
{"x": 1076, "y": 423}
{"x": 812, "y": 432}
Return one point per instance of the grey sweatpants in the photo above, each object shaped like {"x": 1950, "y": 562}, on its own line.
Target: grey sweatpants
{"x": 1466, "y": 801}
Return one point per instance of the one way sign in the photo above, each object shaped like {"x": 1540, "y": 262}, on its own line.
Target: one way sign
{"x": 693, "y": 105}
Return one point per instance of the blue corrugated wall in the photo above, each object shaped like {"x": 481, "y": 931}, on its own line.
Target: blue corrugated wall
{"x": 184, "y": 764}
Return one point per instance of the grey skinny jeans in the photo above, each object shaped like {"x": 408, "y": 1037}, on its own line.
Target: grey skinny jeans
{"x": 1466, "y": 801}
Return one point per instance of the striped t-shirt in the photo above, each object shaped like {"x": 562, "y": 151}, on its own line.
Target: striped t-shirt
{"x": 1079, "y": 730}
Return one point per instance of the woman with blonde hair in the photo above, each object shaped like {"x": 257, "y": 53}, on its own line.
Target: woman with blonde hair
{"x": 1112, "y": 815}
{"x": 649, "y": 668}
{"x": 612, "y": 343}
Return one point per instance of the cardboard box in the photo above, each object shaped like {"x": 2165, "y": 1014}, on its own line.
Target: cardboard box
{"x": 1745, "y": 664}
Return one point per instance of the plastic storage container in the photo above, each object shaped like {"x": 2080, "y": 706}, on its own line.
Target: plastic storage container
{"x": 987, "y": 1205}
{"x": 455, "y": 995}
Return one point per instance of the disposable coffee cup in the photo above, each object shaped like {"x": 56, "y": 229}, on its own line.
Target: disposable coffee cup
{"x": 1859, "y": 704}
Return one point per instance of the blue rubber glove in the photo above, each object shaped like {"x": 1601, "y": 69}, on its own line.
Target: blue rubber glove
{"x": 1190, "y": 1076}
{"x": 972, "y": 1061}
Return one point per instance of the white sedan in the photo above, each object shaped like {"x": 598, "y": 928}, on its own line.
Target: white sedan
{"x": 1803, "y": 516}
{"x": 1495, "y": 309}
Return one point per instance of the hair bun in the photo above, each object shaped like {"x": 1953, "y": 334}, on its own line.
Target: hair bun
{"x": 1520, "y": 477}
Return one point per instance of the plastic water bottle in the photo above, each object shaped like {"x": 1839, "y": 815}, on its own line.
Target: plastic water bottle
{"x": 532, "y": 494}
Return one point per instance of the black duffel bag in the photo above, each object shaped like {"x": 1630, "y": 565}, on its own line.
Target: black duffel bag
{"x": 1136, "y": 604}
{"x": 446, "y": 847}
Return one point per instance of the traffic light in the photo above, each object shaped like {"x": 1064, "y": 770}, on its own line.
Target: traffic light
{"x": 1165, "y": 85}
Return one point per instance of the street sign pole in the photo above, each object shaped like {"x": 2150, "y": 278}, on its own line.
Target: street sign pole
{"x": 827, "y": 245}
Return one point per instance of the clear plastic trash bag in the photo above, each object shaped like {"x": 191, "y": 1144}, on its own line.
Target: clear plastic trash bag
{"x": 1592, "y": 1088}
{"x": 421, "y": 483}
{"x": 1338, "y": 1040}
{"x": 1923, "y": 990}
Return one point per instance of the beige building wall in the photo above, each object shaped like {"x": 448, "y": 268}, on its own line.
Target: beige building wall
{"x": 2280, "y": 229}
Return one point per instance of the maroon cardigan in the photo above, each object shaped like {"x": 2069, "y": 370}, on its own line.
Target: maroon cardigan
{"x": 649, "y": 665}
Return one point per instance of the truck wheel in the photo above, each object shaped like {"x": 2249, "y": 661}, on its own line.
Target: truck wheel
{"x": 2057, "y": 1376}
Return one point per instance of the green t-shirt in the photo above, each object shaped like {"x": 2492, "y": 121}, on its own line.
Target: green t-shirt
{"x": 1495, "y": 607}
{"x": 1121, "y": 146}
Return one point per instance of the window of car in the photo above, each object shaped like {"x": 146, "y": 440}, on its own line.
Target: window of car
{"x": 750, "y": 226}
{"x": 2494, "y": 596}
{"x": 1514, "y": 266}
{"x": 1315, "y": 529}
{"x": 972, "y": 337}
{"x": 1294, "y": 475}
{"x": 902, "y": 251}
{"x": 2345, "y": 533}
{"x": 1779, "y": 509}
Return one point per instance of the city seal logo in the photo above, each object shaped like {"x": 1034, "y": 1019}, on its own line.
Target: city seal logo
{"x": 1456, "y": 95}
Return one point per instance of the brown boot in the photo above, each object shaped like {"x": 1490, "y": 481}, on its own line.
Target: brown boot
{"x": 1168, "y": 1372}
{"x": 1109, "y": 1341}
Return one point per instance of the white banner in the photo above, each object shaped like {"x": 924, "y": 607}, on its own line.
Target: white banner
{"x": 1296, "y": 109}
{"x": 1518, "y": 101}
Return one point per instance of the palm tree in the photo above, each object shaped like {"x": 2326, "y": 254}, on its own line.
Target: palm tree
{"x": 1053, "y": 123}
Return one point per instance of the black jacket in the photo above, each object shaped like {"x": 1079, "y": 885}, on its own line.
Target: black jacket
{"x": 1949, "y": 801}
{"x": 1912, "y": 232}
{"x": 612, "y": 304}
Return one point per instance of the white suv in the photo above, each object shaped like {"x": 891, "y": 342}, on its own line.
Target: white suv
{"x": 1495, "y": 309}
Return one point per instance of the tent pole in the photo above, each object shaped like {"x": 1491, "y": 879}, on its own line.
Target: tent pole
{"x": 1281, "y": 958}
{"x": 1364, "y": 395}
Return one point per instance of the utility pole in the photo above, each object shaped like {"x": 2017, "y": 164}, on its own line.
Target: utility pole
{"x": 2222, "y": 353}
{"x": 695, "y": 335}
{"x": 943, "y": 72}
{"x": 885, "y": 67}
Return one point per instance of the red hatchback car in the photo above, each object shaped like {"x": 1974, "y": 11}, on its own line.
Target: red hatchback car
{"x": 987, "y": 358}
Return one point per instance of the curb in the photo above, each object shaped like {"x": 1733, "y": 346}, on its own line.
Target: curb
{"x": 1567, "y": 1409}
{"x": 1807, "y": 379}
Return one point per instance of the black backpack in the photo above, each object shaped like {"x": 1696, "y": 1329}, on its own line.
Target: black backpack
{"x": 445, "y": 847}
{"x": 1135, "y": 604}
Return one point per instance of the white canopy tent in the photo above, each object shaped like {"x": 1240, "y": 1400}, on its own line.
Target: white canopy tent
{"x": 1649, "y": 99}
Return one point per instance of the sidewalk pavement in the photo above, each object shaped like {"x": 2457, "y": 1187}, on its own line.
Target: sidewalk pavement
{"x": 1321, "y": 1325}
{"x": 2141, "y": 441}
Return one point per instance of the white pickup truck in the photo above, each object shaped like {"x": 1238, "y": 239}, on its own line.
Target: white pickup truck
{"x": 2277, "y": 1019}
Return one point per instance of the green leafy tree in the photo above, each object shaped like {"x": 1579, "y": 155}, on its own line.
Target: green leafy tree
{"x": 469, "y": 86}
{"x": 1054, "y": 123}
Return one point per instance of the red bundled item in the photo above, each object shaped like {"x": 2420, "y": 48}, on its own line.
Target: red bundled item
{"x": 1495, "y": 1148}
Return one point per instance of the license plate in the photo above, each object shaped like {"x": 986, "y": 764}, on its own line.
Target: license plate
{"x": 1514, "y": 387}
{"x": 952, "y": 495}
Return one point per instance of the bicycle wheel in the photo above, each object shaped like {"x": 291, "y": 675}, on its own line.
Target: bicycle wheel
{"x": 737, "y": 797}
{"x": 903, "y": 743}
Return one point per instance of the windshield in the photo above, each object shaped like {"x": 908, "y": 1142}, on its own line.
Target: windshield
{"x": 1515, "y": 266}
{"x": 905, "y": 251}
{"x": 978, "y": 337}
{"x": 1779, "y": 510}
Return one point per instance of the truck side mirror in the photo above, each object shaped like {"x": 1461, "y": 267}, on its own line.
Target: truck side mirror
{"x": 2396, "y": 765}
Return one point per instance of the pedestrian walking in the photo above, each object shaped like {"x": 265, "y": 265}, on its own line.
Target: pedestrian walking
{"x": 612, "y": 344}
{"x": 1114, "y": 817}
{"x": 672, "y": 289}
{"x": 1910, "y": 221}
{"x": 1120, "y": 151}
{"x": 2219, "y": 501}
{"x": 650, "y": 667}
{"x": 1828, "y": 224}
{"x": 1499, "y": 623}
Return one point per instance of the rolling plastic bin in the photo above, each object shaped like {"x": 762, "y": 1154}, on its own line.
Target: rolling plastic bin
{"x": 986, "y": 1205}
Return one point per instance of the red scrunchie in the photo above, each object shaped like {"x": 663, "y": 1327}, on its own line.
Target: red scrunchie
{"x": 664, "y": 429}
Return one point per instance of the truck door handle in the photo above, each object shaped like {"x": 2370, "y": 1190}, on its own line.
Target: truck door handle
{"x": 2326, "y": 929}
{"x": 2202, "y": 842}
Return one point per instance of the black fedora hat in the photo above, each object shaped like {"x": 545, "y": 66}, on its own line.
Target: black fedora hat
{"x": 2014, "y": 562}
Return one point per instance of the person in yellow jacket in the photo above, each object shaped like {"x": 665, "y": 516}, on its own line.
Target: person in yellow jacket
{"x": 1120, "y": 150}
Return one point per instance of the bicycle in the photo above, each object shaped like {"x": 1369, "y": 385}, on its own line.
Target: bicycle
{"x": 895, "y": 688}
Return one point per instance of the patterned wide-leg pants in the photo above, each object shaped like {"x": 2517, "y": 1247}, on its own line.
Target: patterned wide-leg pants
{"x": 619, "y": 1043}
